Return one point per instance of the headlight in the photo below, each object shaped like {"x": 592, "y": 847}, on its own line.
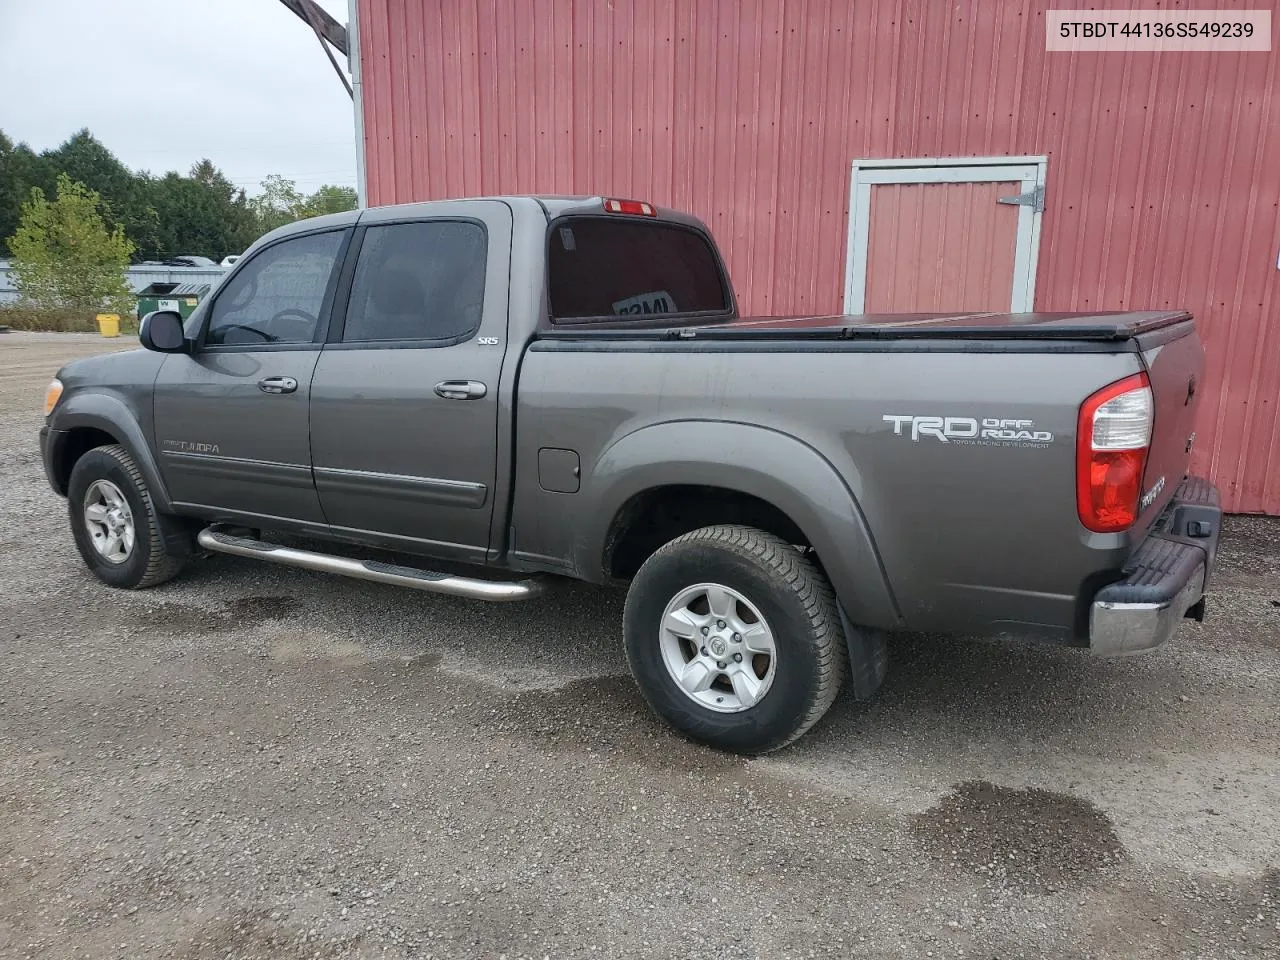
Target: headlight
{"x": 52, "y": 395}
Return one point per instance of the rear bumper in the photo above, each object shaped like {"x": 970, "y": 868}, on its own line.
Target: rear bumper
{"x": 1165, "y": 579}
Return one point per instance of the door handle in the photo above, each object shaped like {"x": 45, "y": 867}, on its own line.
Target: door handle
{"x": 461, "y": 389}
{"x": 278, "y": 385}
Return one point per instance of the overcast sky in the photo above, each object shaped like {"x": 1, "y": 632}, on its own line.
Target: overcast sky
{"x": 164, "y": 83}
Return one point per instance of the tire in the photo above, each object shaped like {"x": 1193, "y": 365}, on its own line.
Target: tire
{"x": 154, "y": 554}
{"x": 752, "y": 574}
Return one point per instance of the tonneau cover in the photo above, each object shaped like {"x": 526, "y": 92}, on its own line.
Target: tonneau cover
{"x": 887, "y": 326}
{"x": 895, "y": 326}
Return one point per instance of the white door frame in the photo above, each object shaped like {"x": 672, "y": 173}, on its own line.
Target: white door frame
{"x": 357, "y": 99}
{"x": 1029, "y": 170}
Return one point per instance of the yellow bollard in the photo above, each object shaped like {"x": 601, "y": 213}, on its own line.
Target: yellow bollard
{"x": 109, "y": 324}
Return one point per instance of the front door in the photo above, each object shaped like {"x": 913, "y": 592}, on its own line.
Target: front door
{"x": 944, "y": 235}
{"x": 231, "y": 418}
{"x": 404, "y": 405}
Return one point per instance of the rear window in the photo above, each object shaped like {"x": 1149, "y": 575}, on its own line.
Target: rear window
{"x": 601, "y": 267}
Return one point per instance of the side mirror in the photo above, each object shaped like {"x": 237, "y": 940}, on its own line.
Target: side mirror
{"x": 161, "y": 330}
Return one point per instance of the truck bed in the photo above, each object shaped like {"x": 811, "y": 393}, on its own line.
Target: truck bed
{"x": 959, "y": 526}
{"x": 1094, "y": 327}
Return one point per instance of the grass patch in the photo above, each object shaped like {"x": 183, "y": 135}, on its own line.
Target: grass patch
{"x": 24, "y": 316}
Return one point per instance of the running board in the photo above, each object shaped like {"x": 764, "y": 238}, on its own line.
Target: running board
{"x": 497, "y": 591}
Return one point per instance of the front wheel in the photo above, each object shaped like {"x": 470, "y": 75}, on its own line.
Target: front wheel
{"x": 734, "y": 638}
{"x": 115, "y": 524}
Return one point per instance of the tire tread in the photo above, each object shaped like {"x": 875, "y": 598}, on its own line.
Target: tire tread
{"x": 161, "y": 566}
{"x": 792, "y": 569}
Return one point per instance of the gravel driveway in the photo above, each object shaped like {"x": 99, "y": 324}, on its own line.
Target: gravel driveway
{"x": 261, "y": 762}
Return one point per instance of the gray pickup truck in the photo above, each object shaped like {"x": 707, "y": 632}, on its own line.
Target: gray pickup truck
{"x": 518, "y": 388}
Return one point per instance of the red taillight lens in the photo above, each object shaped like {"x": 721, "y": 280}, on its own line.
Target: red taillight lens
{"x": 1112, "y": 439}
{"x": 636, "y": 207}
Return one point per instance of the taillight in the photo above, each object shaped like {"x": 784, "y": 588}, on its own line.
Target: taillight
{"x": 1112, "y": 440}
{"x": 636, "y": 207}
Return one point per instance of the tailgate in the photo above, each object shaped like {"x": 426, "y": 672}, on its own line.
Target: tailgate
{"x": 1175, "y": 365}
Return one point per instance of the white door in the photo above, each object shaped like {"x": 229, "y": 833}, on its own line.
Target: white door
{"x": 944, "y": 234}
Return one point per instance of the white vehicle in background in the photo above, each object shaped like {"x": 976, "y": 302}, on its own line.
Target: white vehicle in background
{"x": 229, "y": 261}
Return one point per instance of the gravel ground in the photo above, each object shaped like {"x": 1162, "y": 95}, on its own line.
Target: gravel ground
{"x": 259, "y": 762}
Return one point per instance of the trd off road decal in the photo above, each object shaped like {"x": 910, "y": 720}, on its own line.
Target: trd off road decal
{"x": 989, "y": 431}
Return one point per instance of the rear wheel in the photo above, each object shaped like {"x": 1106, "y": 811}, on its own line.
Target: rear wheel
{"x": 114, "y": 522}
{"x": 734, "y": 638}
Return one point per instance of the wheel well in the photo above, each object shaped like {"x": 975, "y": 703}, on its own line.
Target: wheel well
{"x": 650, "y": 519}
{"x": 79, "y": 441}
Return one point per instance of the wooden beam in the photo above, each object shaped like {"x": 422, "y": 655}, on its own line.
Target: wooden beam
{"x": 324, "y": 25}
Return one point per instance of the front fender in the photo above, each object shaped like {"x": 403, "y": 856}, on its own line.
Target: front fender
{"x": 109, "y": 413}
{"x": 754, "y": 460}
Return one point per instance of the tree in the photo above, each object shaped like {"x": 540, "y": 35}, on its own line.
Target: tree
{"x": 278, "y": 203}
{"x": 65, "y": 254}
{"x": 125, "y": 198}
{"x": 239, "y": 226}
{"x": 203, "y": 213}
{"x": 331, "y": 199}
{"x": 84, "y": 159}
{"x": 20, "y": 170}
{"x": 281, "y": 202}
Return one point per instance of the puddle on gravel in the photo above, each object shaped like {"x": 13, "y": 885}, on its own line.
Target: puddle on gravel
{"x": 1027, "y": 837}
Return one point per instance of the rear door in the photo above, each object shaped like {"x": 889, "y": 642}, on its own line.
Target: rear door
{"x": 231, "y": 418}
{"x": 404, "y": 405}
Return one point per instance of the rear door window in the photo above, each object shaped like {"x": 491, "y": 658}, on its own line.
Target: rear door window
{"x": 606, "y": 268}
{"x": 418, "y": 281}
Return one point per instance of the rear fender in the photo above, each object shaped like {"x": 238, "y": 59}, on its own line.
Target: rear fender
{"x": 749, "y": 459}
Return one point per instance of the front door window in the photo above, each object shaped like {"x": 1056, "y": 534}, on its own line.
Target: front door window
{"x": 276, "y": 297}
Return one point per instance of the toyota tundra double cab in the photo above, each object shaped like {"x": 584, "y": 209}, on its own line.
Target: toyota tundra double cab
{"x": 519, "y": 388}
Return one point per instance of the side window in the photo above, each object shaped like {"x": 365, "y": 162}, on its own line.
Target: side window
{"x": 418, "y": 281}
{"x": 277, "y": 296}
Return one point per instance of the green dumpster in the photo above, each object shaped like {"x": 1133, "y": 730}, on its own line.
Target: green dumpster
{"x": 181, "y": 297}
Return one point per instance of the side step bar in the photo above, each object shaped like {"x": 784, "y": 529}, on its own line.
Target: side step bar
{"x": 218, "y": 541}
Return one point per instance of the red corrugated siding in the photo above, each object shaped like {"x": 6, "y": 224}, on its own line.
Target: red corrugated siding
{"x": 940, "y": 246}
{"x": 1163, "y": 179}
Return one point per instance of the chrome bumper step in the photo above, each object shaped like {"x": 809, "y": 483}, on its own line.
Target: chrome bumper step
{"x": 497, "y": 591}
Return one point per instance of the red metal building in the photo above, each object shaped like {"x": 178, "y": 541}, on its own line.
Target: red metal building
{"x": 852, "y": 155}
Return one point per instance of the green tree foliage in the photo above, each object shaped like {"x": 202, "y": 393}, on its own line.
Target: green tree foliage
{"x": 21, "y": 169}
{"x": 281, "y": 202}
{"x": 331, "y": 199}
{"x": 65, "y": 254}
{"x": 278, "y": 203}
{"x": 202, "y": 213}
{"x": 125, "y": 196}
{"x": 199, "y": 213}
